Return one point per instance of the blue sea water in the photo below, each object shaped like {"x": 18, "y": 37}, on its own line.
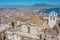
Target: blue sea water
{"x": 47, "y": 11}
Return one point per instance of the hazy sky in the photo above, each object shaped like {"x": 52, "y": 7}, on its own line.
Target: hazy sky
{"x": 28, "y": 2}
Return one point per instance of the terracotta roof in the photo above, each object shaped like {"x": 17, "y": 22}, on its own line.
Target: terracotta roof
{"x": 58, "y": 16}
{"x": 21, "y": 19}
{"x": 45, "y": 15}
{"x": 7, "y": 21}
{"x": 35, "y": 19}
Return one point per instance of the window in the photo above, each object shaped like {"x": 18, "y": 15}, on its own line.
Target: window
{"x": 28, "y": 29}
{"x": 17, "y": 36}
{"x": 52, "y": 37}
{"x": 44, "y": 38}
{"x": 51, "y": 18}
{"x": 4, "y": 37}
{"x": 46, "y": 21}
{"x": 40, "y": 36}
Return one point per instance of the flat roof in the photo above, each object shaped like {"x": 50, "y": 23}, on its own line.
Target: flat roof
{"x": 3, "y": 28}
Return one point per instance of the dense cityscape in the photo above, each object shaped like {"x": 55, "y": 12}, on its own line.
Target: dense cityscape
{"x": 40, "y": 21}
{"x": 27, "y": 24}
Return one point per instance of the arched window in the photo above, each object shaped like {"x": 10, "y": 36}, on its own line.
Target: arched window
{"x": 51, "y": 18}
{"x": 40, "y": 36}
{"x": 28, "y": 29}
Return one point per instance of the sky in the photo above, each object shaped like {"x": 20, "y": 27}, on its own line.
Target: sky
{"x": 27, "y": 2}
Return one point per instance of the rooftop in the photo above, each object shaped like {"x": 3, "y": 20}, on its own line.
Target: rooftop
{"x": 3, "y": 28}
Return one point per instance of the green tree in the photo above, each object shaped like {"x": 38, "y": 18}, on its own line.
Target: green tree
{"x": 12, "y": 24}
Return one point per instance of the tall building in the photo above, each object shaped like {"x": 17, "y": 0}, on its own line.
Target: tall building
{"x": 52, "y": 19}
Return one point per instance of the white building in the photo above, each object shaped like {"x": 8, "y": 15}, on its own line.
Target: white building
{"x": 27, "y": 30}
{"x": 52, "y": 18}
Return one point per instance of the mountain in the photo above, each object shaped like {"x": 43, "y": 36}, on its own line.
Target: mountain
{"x": 42, "y": 4}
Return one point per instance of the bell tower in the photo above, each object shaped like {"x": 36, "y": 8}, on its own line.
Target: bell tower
{"x": 52, "y": 19}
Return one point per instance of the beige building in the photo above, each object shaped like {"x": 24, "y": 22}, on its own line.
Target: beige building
{"x": 2, "y": 32}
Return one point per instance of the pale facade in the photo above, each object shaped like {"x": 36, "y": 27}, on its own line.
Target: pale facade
{"x": 30, "y": 28}
{"x": 52, "y": 19}
{"x": 12, "y": 36}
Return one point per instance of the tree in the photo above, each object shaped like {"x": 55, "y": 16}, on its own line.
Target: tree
{"x": 12, "y": 24}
